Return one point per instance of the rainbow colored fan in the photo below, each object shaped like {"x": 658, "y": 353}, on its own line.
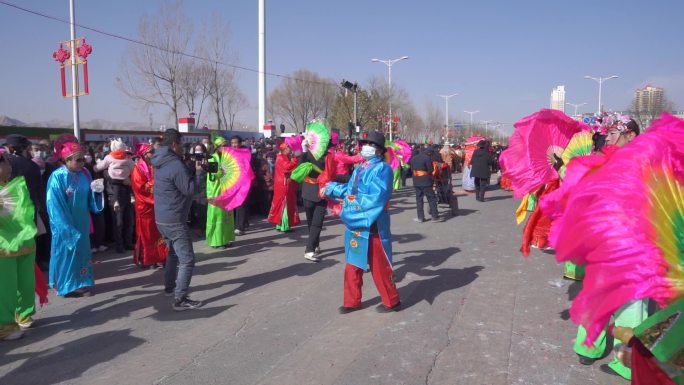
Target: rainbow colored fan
{"x": 405, "y": 151}
{"x": 625, "y": 222}
{"x": 391, "y": 158}
{"x": 235, "y": 177}
{"x": 529, "y": 159}
{"x": 318, "y": 137}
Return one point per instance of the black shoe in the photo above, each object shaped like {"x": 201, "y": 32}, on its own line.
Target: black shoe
{"x": 130, "y": 247}
{"x": 120, "y": 250}
{"x": 605, "y": 368}
{"x": 586, "y": 360}
{"x": 346, "y": 310}
{"x": 384, "y": 309}
{"x": 186, "y": 304}
{"x": 437, "y": 219}
{"x": 73, "y": 294}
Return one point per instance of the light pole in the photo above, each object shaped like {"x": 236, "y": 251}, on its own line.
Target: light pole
{"x": 486, "y": 123}
{"x": 471, "y": 113}
{"x": 600, "y": 81}
{"x": 576, "y": 106}
{"x": 347, "y": 85}
{"x": 446, "y": 115}
{"x": 389, "y": 63}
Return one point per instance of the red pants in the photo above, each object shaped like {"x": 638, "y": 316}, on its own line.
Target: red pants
{"x": 382, "y": 276}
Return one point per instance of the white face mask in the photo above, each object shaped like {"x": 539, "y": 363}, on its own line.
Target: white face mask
{"x": 88, "y": 159}
{"x": 367, "y": 151}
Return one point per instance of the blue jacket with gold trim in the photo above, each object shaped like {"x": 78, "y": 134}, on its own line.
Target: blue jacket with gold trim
{"x": 365, "y": 202}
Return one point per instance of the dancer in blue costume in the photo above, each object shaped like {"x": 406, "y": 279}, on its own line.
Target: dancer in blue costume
{"x": 69, "y": 200}
{"x": 368, "y": 240}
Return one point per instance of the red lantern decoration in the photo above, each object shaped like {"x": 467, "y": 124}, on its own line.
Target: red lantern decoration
{"x": 83, "y": 51}
{"x": 62, "y": 55}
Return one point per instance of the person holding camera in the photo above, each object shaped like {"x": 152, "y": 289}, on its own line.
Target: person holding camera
{"x": 220, "y": 223}
{"x": 174, "y": 187}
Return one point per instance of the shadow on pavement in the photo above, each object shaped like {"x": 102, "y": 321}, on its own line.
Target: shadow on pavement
{"x": 490, "y": 199}
{"x": 440, "y": 281}
{"x": 257, "y": 280}
{"x": 573, "y": 290}
{"x": 68, "y": 361}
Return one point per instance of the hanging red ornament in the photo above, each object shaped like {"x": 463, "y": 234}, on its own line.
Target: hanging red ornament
{"x": 62, "y": 55}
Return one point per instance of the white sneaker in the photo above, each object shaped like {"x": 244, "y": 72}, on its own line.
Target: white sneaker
{"x": 317, "y": 251}
{"x": 93, "y": 250}
{"x": 239, "y": 232}
{"x": 311, "y": 257}
{"x": 102, "y": 248}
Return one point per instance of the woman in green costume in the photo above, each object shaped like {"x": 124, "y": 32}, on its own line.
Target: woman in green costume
{"x": 17, "y": 254}
{"x": 220, "y": 223}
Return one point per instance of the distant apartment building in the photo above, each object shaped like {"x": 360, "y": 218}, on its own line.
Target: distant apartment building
{"x": 558, "y": 98}
{"x": 649, "y": 99}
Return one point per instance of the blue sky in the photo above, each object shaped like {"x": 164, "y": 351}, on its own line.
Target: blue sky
{"x": 502, "y": 57}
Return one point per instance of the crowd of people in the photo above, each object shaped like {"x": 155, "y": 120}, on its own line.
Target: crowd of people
{"x": 65, "y": 201}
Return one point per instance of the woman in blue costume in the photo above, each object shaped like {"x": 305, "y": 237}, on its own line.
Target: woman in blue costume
{"x": 70, "y": 201}
{"x": 368, "y": 240}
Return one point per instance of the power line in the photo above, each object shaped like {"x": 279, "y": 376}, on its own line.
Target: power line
{"x": 135, "y": 41}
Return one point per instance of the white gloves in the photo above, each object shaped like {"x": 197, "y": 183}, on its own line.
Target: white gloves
{"x": 305, "y": 145}
{"x": 97, "y": 185}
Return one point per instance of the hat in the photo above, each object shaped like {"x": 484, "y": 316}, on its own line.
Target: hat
{"x": 117, "y": 144}
{"x": 18, "y": 141}
{"x": 142, "y": 149}
{"x": 376, "y": 138}
{"x": 218, "y": 140}
{"x": 294, "y": 142}
{"x": 70, "y": 149}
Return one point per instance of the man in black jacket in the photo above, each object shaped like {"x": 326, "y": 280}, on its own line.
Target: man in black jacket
{"x": 421, "y": 164}
{"x": 174, "y": 187}
{"x": 480, "y": 170}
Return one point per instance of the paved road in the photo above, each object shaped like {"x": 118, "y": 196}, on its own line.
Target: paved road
{"x": 475, "y": 312}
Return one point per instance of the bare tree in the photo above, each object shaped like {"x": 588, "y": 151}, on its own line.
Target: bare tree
{"x": 302, "y": 97}
{"x": 151, "y": 73}
{"x": 434, "y": 121}
{"x": 233, "y": 102}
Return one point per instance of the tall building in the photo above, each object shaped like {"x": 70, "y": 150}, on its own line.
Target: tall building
{"x": 558, "y": 98}
{"x": 649, "y": 99}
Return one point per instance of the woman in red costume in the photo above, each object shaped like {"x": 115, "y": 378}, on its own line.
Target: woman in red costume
{"x": 283, "y": 212}
{"x": 150, "y": 248}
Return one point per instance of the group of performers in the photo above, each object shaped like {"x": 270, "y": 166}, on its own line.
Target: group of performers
{"x": 583, "y": 186}
{"x": 316, "y": 161}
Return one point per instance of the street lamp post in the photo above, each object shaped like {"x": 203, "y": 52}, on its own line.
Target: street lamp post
{"x": 486, "y": 122}
{"x": 446, "y": 115}
{"x": 600, "y": 81}
{"x": 354, "y": 88}
{"x": 471, "y": 113}
{"x": 576, "y": 106}
{"x": 389, "y": 63}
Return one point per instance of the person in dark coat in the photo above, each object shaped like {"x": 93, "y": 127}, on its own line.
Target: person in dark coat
{"x": 421, "y": 164}
{"x": 22, "y": 165}
{"x": 480, "y": 169}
